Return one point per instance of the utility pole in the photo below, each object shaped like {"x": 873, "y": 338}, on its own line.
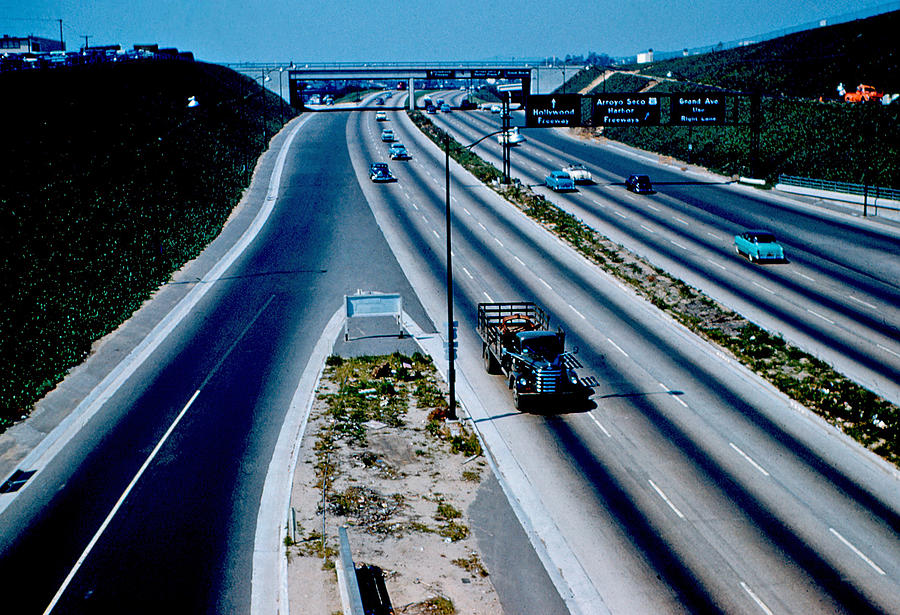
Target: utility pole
{"x": 62, "y": 43}
{"x": 86, "y": 37}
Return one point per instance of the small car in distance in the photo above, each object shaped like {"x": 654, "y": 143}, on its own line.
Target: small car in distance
{"x": 379, "y": 173}
{"x": 559, "y": 181}
{"x": 758, "y": 246}
{"x": 430, "y": 109}
{"x": 579, "y": 173}
{"x": 398, "y": 152}
{"x": 639, "y": 184}
{"x": 387, "y": 135}
{"x": 495, "y": 108}
{"x": 445, "y": 108}
{"x": 380, "y": 116}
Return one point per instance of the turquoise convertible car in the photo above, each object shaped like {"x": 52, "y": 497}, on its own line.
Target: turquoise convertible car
{"x": 758, "y": 246}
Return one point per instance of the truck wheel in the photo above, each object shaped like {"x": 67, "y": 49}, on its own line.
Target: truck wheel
{"x": 490, "y": 364}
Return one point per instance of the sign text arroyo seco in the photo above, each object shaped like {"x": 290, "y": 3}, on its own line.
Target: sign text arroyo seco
{"x": 625, "y": 110}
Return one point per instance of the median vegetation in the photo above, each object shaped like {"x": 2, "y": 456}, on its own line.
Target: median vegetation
{"x": 111, "y": 185}
{"x": 871, "y": 420}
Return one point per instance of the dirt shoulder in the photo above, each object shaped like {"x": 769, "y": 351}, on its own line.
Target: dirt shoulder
{"x": 379, "y": 458}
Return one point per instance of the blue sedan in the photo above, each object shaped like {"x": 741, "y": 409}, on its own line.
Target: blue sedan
{"x": 758, "y": 246}
{"x": 559, "y": 181}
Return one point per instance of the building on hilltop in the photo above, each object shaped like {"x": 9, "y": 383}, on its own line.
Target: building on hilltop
{"x": 29, "y": 44}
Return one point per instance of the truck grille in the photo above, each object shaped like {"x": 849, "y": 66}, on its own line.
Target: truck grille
{"x": 547, "y": 380}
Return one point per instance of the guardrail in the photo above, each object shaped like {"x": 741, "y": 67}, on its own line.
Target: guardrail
{"x": 875, "y": 195}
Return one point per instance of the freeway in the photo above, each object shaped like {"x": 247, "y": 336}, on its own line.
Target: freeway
{"x": 153, "y": 505}
{"x": 837, "y": 297}
{"x": 690, "y": 485}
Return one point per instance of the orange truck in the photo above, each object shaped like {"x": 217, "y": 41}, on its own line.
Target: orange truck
{"x": 863, "y": 93}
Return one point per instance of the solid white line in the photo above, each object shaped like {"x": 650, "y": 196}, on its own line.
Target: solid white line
{"x": 865, "y": 303}
{"x": 602, "y": 428}
{"x": 886, "y": 349}
{"x": 616, "y": 346}
{"x": 857, "y": 551}
{"x": 665, "y": 499}
{"x": 648, "y": 229}
{"x": 828, "y": 320}
{"x": 765, "y": 288}
{"x": 119, "y": 503}
{"x": 747, "y": 457}
{"x": 756, "y": 599}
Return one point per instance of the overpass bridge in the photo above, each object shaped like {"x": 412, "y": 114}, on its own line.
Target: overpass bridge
{"x": 536, "y": 78}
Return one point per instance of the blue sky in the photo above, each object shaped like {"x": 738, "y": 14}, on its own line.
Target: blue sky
{"x": 411, "y": 30}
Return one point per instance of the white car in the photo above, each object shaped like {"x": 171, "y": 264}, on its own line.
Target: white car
{"x": 495, "y": 109}
{"x": 579, "y": 173}
{"x": 511, "y": 136}
{"x": 380, "y": 116}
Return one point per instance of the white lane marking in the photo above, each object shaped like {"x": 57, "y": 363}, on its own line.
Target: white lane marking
{"x": 828, "y": 320}
{"x": 544, "y": 282}
{"x": 865, "y": 303}
{"x": 653, "y": 207}
{"x": 713, "y": 235}
{"x": 683, "y": 221}
{"x": 467, "y": 273}
{"x": 862, "y": 555}
{"x": 119, "y": 503}
{"x": 453, "y": 199}
{"x": 602, "y": 428}
{"x": 468, "y": 213}
{"x": 488, "y": 297}
{"x": 500, "y": 243}
{"x": 576, "y": 311}
{"x": 675, "y": 397}
{"x": 804, "y": 276}
{"x": 416, "y": 207}
{"x": 765, "y": 288}
{"x": 647, "y": 228}
{"x": 747, "y": 457}
{"x": 596, "y": 202}
{"x": 483, "y": 227}
{"x": 619, "y": 213}
{"x": 719, "y": 265}
{"x": 149, "y": 460}
{"x": 435, "y": 233}
{"x": 680, "y": 245}
{"x": 886, "y": 349}
{"x": 519, "y": 260}
{"x": 759, "y": 603}
{"x": 666, "y": 499}
{"x": 616, "y": 346}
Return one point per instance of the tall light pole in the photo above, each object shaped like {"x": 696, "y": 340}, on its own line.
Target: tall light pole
{"x": 451, "y": 349}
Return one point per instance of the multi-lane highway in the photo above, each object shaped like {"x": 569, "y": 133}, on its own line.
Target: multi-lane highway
{"x": 692, "y": 485}
{"x": 838, "y": 297}
{"x": 689, "y": 485}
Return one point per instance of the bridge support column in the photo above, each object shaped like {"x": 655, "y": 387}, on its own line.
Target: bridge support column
{"x": 412, "y": 94}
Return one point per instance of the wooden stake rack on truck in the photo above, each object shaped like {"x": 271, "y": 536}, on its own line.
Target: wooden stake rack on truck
{"x": 517, "y": 342}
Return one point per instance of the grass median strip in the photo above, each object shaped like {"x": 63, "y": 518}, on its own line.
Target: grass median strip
{"x": 869, "y": 419}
